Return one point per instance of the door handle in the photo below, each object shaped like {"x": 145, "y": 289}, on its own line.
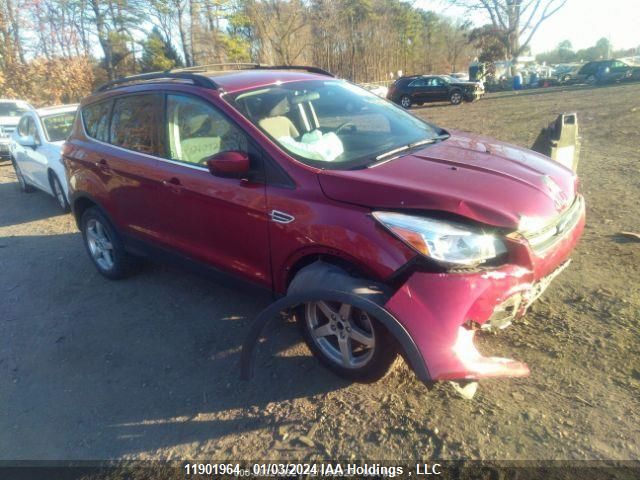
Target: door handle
{"x": 103, "y": 165}
{"x": 173, "y": 183}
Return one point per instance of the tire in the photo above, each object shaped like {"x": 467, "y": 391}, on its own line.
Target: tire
{"x": 405, "y": 102}
{"x": 24, "y": 185}
{"x": 372, "y": 350}
{"x": 591, "y": 80}
{"x": 58, "y": 192}
{"x": 456, "y": 97}
{"x": 104, "y": 246}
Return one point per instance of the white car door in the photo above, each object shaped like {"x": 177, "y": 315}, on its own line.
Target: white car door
{"x": 20, "y": 152}
{"x": 35, "y": 157}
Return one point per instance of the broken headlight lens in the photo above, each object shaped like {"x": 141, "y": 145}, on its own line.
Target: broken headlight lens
{"x": 441, "y": 240}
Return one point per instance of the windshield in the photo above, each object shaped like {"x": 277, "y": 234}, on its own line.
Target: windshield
{"x": 57, "y": 127}
{"x": 13, "y": 109}
{"x": 332, "y": 124}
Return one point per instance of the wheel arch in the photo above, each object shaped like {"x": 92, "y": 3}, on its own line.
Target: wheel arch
{"x": 81, "y": 202}
{"x": 301, "y": 259}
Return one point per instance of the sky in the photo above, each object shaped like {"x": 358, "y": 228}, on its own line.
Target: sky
{"x": 582, "y": 22}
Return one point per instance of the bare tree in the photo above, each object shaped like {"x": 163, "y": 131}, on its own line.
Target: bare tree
{"x": 518, "y": 20}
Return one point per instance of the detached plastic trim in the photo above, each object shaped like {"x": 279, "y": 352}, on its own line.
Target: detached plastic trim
{"x": 413, "y": 355}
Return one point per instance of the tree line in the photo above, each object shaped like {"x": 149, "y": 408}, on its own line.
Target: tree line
{"x": 54, "y": 51}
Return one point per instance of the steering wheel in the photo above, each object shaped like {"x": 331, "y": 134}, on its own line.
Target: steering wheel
{"x": 339, "y": 128}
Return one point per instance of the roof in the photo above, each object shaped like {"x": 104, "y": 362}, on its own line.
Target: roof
{"x": 235, "y": 81}
{"x": 15, "y": 100}
{"x": 223, "y": 77}
{"x": 46, "y": 111}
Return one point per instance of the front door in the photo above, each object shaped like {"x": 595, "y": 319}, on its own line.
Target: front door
{"x": 436, "y": 89}
{"x": 32, "y": 161}
{"x": 221, "y": 221}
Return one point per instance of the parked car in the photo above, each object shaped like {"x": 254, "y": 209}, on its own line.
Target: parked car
{"x": 36, "y": 151}
{"x": 247, "y": 174}
{"x": 421, "y": 89}
{"x": 565, "y": 73}
{"x": 603, "y": 71}
{"x": 10, "y": 113}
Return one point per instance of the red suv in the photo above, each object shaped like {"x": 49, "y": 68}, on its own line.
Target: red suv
{"x": 293, "y": 180}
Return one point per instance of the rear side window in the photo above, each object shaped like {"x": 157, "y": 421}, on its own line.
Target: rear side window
{"x": 135, "y": 123}
{"x": 96, "y": 120}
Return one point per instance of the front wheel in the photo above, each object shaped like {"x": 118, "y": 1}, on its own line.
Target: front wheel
{"x": 24, "y": 185}
{"x": 456, "y": 98}
{"x": 58, "y": 192}
{"x": 347, "y": 340}
{"x": 405, "y": 102}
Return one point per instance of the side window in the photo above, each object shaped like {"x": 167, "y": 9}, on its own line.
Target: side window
{"x": 196, "y": 130}
{"x": 23, "y": 126}
{"x": 135, "y": 123}
{"x": 96, "y": 120}
{"x": 32, "y": 130}
{"x": 420, "y": 82}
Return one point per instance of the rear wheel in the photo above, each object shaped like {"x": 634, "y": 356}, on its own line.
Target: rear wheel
{"x": 24, "y": 185}
{"x": 456, "y": 97}
{"x": 347, "y": 340}
{"x": 105, "y": 246}
{"x": 58, "y": 192}
{"x": 405, "y": 101}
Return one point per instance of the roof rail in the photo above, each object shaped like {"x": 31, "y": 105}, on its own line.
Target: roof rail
{"x": 190, "y": 74}
{"x": 211, "y": 67}
{"x": 310, "y": 69}
{"x": 208, "y": 67}
{"x": 199, "y": 80}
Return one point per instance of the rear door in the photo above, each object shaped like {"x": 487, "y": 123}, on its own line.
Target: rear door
{"x": 129, "y": 167}
{"x": 221, "y": 221}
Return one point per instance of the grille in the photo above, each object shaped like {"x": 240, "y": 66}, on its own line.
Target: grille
{"x": 545, "y": 238}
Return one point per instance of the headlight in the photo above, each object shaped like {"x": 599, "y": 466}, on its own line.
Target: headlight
{"x": 441, "y": 240}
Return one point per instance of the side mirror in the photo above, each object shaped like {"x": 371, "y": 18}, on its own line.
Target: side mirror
{"x": 231, "y": 164}
{"x": 28, "y": 141}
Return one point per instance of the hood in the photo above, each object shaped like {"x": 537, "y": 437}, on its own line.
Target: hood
{"x": 469, "y": 175}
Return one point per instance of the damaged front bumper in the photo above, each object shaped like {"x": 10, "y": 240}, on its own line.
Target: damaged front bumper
{"x": 443, "y": 311}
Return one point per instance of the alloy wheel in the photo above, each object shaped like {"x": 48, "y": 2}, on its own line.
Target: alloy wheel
{"x": 405, "y": 102}
{"x": 456, "y": 98}
{"x": 21, "y": 180}
{"x": 100, "y": 245}
{"x": 343, "y": 333}
{"x": 59, "y": 194}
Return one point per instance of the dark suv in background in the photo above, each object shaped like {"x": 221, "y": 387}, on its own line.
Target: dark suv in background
{"x": 421, "y": 89}
{"x": 606, "y": 71}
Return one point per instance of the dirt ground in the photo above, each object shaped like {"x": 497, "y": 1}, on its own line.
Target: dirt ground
{"x": 148, "y": 367}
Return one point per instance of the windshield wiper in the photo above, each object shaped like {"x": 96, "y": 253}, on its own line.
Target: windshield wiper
{"x": 409, "y": 146}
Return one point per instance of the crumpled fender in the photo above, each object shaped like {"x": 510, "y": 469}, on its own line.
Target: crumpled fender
{"x": 433, "y": 309}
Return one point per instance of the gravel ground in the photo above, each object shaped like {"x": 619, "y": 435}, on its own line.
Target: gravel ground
{"x": 148, "y": 367}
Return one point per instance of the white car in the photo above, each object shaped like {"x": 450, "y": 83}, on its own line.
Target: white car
{"x": 35, "y": 147}
{"x": 10, "y": 113}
